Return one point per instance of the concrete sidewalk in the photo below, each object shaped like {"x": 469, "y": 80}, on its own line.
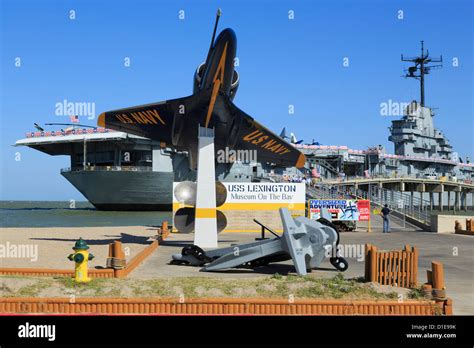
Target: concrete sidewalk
{"x": 454, "y": 251}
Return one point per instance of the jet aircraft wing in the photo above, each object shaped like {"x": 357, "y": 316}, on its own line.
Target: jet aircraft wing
{"x": 176, "y": 122}
{"x": 156, "y": 121}
{"x": 269, "y": 146}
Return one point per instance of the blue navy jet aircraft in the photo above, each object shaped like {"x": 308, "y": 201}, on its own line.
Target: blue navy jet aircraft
{"x": 175, "y": 122}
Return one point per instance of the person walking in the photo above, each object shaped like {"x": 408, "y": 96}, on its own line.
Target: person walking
{"x": 386, "y": 222}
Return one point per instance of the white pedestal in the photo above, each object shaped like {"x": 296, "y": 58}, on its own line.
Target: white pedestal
{"x": 205, "y": 228}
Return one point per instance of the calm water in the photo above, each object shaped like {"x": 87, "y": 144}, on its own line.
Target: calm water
{"x": 59, "y": 214}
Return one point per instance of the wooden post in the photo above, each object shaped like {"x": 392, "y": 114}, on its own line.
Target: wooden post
{"x": 438, "y": 275}
{"x": 448, "y": 307}
{"x": 367, "y": 262}
{"x": 118, "y": 252}
{"x": 409, "y": 266}
{"x": 415, "y": 267}
{"x": 118, "y": 261}
{"x": 399, "y": 268}
{"x": 164, "y": 229}
{"x": 389, "y": 268}
{"x": 429, "y": 277}
{"x": 111, "y": 249}
{"x": 373, "y": 263}
{"x": 109, "y": 260}
{"x": 427, "y": 289}
{"x": 406, "y": 266}
{"x": 457, "y": 226}
{"x": 404, "y": 269}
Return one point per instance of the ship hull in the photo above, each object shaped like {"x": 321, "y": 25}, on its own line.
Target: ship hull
{"x": 124, "y": 190}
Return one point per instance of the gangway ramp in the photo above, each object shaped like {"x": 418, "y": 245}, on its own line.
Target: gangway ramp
{"x": 405, "y": 208}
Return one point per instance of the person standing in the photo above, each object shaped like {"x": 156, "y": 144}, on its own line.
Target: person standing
{"x": 386, "y": 222}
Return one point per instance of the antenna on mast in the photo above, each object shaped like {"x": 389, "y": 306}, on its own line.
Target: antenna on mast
{"x": 218, "y": 15}
{"x": 422, "y": 68}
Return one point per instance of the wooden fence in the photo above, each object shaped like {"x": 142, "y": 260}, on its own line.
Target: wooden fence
{"x": 392, "y": 267}
{"x": 221, "y": 306}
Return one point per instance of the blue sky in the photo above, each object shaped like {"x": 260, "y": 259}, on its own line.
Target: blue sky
{"x": 282, "y": 62}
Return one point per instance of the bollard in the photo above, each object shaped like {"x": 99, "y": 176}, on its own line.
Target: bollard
{"x": 164, "y": 229}
{"x": 118, "y": 252}
{"x": 427, "y": 289}
{"x": 438, "y": 275}
{"x": 429, "y": 277}
{"x": 439, "y": 288}
{"x": 469, "y": 225}
{"x": 110, "y": 257}
{"x": 367, "y": 263}
{"x": 373, "y": 263}
{"x": 457, "y": 226}
{"x": 118, "y": 261}
{"x": 448, "y": 307}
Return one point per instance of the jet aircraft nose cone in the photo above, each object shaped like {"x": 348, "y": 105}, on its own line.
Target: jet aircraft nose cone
{"x": 227, "y": 35}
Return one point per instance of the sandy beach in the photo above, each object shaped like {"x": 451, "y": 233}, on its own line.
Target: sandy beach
{"x": 48, "y": 247}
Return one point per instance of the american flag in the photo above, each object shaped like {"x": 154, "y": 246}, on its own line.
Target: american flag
{"x": 74, "y": 119}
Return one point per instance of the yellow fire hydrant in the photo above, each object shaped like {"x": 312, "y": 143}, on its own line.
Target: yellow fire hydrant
{"x": 81, "y": 256}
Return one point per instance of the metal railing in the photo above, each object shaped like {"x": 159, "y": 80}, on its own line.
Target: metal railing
{"x": 325, "y": 191}
{"x": 439, "y": 178}
{"x": 401, "y": 202}
{"x": 107, "y": 169}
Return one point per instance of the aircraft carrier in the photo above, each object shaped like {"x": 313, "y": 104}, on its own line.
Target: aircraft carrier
{"x": 126, "y": 172}
{"x": 119, "y": 171}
